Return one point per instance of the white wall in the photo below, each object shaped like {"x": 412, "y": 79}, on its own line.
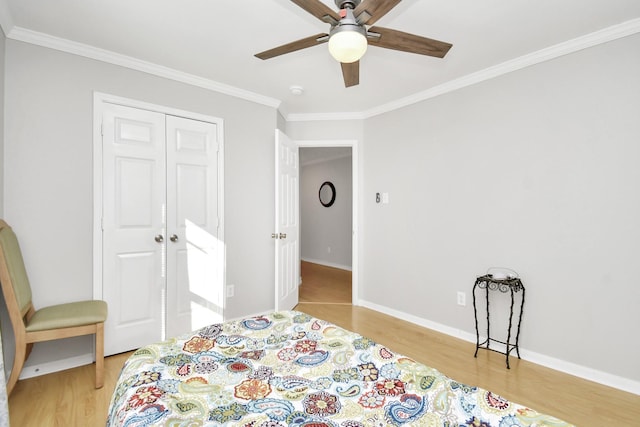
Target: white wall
{"x": 537, "y": 171}
{"x": 48, "y": 175}
{"x": 325, "y": 232}
{"x": 326, "y": 130}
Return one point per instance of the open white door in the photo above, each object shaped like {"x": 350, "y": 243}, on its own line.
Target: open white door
{"x": 287, "y": 223}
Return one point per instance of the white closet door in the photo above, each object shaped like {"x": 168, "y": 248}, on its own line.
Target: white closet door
{"x": 133, "y": 226}
{"x": 194, "y": 273}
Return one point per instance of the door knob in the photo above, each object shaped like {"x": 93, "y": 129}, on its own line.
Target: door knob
{"x": 173, "y": 238}
{"x": 283, "y": 235}
{"x": 274, "y": 236}
{"x": 159, "y": 238}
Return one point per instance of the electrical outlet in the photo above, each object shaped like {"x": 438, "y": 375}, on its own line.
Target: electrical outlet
{"x": 462, "y": 298}
{"x": 230, "y": 291}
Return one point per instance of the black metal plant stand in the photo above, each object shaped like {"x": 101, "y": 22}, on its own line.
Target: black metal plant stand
{"x": 512, "y": 285}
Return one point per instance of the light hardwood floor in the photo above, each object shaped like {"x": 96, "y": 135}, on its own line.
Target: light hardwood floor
{"x": 321, "y": 284}
{"x": 69, "y": 399}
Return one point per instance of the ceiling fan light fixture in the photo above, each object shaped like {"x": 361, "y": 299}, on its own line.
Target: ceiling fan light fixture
{"x": 348, "y": 37}
{"x": 347, "y": 43}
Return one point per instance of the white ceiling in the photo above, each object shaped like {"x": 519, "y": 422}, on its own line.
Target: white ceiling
{"x": 213, "y": 42}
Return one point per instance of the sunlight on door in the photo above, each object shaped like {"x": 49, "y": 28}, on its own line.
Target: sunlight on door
{"x": 205, "y": 287}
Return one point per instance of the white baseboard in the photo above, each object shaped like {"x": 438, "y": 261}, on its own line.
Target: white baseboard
{"x": 327, "y": 263}
{"x": 457, "y": 333}
{"x": 584, "y": 372}
{"x": 55, "y": 366}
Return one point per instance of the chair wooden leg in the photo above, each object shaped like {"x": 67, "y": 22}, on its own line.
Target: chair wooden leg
{"x": 99, "y": 355}
{"x": 29, "y": 348}
{"x": 18, "y": 363}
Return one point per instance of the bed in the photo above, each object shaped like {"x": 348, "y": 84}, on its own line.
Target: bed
{"x": 291, "y": 369}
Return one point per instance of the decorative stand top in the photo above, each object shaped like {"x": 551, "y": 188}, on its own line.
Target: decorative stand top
{"x": 503, "y": 285}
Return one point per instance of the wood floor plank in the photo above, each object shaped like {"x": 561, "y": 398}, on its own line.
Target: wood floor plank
{"x": 322, "y": 284}
{"x": 67, "y": 398}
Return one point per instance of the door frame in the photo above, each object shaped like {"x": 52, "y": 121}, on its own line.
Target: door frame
{"x": 99, "y": 99}
{"x": 355, "y": 216}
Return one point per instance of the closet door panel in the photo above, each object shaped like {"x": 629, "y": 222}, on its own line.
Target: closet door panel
{"x": 133, "y": 154}
{"x": 194, "y": 279}
{"x": 192, "y": 180}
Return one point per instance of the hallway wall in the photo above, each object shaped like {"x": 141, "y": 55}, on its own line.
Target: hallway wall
{"x": 325, "y": 232}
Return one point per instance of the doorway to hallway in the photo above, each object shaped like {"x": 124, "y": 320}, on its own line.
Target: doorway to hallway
{"x": 327, "y": 226}
{"x": 347, "y": 264}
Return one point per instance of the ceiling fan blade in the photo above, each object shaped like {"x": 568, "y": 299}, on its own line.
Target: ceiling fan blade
{"x": 319, "y": 10}
{"x": 374, "y": 9}
{"x": 351, "y": 73}
{"x": 398, "y": 40}
{"x": 293, "y": 46}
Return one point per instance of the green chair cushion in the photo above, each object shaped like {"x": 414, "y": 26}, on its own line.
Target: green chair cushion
{"x": 68, "y": 315}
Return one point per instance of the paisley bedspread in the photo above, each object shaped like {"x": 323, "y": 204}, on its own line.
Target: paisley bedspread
{"x": 290, "y": 369}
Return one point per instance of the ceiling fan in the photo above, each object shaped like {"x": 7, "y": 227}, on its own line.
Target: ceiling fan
{"x": 351, "y": 33}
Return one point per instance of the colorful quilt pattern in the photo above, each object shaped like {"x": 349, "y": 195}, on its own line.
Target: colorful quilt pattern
{"x": 288, "y": 369}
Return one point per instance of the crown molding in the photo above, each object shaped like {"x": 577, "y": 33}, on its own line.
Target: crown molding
{"x": 593, "y": 39}
{"x": 87, "y": 51}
